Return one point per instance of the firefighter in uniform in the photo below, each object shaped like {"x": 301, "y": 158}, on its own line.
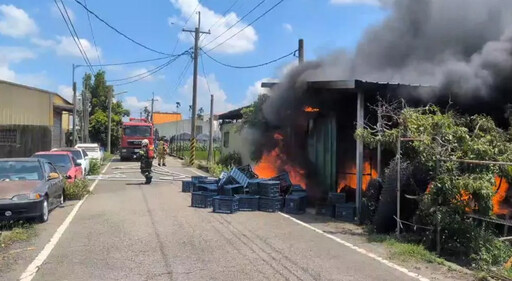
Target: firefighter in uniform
{"x": 146, "y": 160}
{"x": 162, "y": 151}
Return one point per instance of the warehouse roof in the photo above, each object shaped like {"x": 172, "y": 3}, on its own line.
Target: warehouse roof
{"x": 66, "y": 102}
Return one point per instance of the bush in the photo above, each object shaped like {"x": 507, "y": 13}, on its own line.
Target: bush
{"x": 107, "y": 157}
{"x": 215, "y": 170}
{"x": 95, "y": 167}
{"x": 20, "y": 232}
{"x": 76, "y": 190}
{"x": 232, "y": 159}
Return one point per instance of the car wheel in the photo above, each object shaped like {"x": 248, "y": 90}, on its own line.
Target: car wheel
{"x": 43, "y": 216}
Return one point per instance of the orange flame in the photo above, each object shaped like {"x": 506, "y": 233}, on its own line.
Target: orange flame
{"x": 351, "y": 179}
{"x": 500, "y": 195}
{"x": 311, "y": 109}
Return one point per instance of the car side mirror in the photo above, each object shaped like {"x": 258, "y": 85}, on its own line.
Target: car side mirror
{"x": 69, "y": 177}
{"x": 78, "y": 164}
{"x": 53, "y": 176}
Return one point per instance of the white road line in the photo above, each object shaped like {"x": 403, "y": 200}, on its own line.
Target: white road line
{"x": 360, "y": 250}
{"x": 32, "y": 269}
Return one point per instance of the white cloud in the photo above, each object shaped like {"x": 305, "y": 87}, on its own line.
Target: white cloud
{"x": 66, "y": 92}
{"x": 55, "y": 12}
{"x": 43, "y": 42}
{"x": 134, "y": 105}
{"x": 288, "y": 27}
{"x": 203, "y": 95}
{"x": 345, "y": 2}
{"x": 16, "y": 22}
{"x": 163, "y": 106}
{"x": 255, "y": 90}
{"x": 9, "y": 55}
{"x": 66, "y": 47}
{"x": 243, "y": 42}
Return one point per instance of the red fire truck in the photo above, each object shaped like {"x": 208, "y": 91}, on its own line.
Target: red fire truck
{"x": 132, "y": 134}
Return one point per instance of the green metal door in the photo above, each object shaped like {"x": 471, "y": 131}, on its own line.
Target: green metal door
{"x": 322, "y": 150}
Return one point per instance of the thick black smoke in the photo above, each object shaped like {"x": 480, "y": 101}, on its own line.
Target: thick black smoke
{"x": 463, "y": 47}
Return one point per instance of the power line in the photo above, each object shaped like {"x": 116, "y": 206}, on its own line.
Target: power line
{"x": 72, "y": 36}
{"x": 119, "y": 32}
{"x": 129, "y": 62}
{"x": 205, "y": 78}
{"x": 224, "y": 14}
{"x": 180, "y": 78}
{"x": 188, "y": 19}
{"x": 229, "y": 28}
{"x": 255, "y": 20}
{"x": 149, "y": 71}
{"x": 249, "y": 66}
{"x": 92, "y": 33}
{"x": 76, "y": 34}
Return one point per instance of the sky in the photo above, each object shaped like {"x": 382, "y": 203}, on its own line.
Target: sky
{"x": 36, "y": 48}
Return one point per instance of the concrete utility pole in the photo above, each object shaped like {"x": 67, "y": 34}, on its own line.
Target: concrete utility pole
{"x": 74, "y": 107}
{"x": 152, "y": 106}
{"x": 111, "y": 95}
{"x": 197, "y": 33}
{"x": 210, "y": 144}
{"x": 301, "y": 51}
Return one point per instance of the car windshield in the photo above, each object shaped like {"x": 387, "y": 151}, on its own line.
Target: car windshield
{"x": 137, "y": 131}
{"x": 61, "y": 161}
{"x": 20, "y": 170}
{"x": 75, "y": 153}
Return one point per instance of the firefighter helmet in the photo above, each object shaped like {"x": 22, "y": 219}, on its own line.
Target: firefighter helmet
{"x": 145, "y": 143}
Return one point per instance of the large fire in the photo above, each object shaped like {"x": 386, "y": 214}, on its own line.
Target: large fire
{"x": 500, "y": 189}
{"x": 273, "y": 163}
{"x": 350, "y": 178}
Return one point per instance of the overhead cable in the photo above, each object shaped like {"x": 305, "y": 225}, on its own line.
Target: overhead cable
{"x": 149, "y": 73}
{"x": 255, "y": 20}
{"x": 229, "y": 28}
{"x": 92, "y": 33}
{"x": 249, "y": 66}
{"x": 73, "y": 36}
{"x": 119, "y": 32}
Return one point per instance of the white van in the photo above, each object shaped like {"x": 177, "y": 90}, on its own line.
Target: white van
{"x": 92, "y": 149}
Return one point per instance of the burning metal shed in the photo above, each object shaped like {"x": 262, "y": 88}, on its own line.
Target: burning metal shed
{"x": 333, "y": 110}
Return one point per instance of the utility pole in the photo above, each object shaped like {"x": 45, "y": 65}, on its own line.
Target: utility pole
{"x": 301, "y": 51}
{"x": 210, "y": 144}
{"x": 152, "y": 106}
{"x": 109, "y": 136}
{"x": 74, "y": 107}
{"x": 197, "y": 33}
{"x": 84, "y": 113}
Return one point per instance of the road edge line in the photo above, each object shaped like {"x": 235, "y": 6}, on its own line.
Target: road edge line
{"x": 360, "y": 250}
{"x": 32, "y": 269}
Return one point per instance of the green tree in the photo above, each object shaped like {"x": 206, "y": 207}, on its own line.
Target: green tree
{"x": 98, "y": 110}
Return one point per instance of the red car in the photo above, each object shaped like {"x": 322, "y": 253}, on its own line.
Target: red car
{"x": 65, "y": 163}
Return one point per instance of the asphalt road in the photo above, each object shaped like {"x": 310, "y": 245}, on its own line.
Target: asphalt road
{"x": 130, "y": 231}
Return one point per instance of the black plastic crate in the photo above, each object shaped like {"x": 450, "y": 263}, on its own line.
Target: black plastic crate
{"x": 295, "y": 204}
{"x": 297, "y": 189}
{"x": 337, "y": 198}
{"x": 206, "y": 187}
{"x": 284, "y": 182}
{"x": 186, "y": 186}
{"x": 248, "y": 202}
{"x": 231, "y": 190}
{"x": 208, "y": 181}
{"x": 270, "y": 204}
{"x": 234, "y": 177}
{"x": 345, "y": 212}
{"x": 325, "y": 209}
{"x": 248, "y": 172}
{"x": 197, "y": 178}
{"x": 268, "y": 188}
{"x": 202, "y": 199}
{"x": 225, "y": 204}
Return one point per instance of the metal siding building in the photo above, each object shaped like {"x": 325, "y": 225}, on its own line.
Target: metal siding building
{"x": 31, "y": 120}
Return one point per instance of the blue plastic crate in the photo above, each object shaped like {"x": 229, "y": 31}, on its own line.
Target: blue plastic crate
{"x": 345, "y": 212}
{"x": 325, "y": 209}
{"x": 252, "y": 186}
{"x": 248, "y": 202}
{"x": 206, "y": 187}
{"x": 337, "y": 198}
{"x": 186, "y": 186}
{"x": 268, "y": 188}
{"x": 297, "y": 189}
{"x": 295, "y": 204}
{"x": 202, "y": 199}
{"x": 225, "y": 204}
{"x": 270, "y": 204}
{"x": 231, "y": 190}
{"x": 248, "y": 172}
{"x": 197, "y": 178}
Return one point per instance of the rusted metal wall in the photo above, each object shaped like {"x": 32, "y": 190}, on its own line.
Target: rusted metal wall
{"x": 322, "y": 150}
{"x": 23, "y": 140}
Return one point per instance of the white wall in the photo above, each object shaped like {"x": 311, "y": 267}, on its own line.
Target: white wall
{"x": 237, "y": 143}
